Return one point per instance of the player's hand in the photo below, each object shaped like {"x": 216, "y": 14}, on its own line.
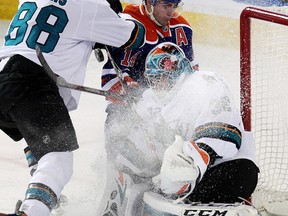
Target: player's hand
{"x": 178, "y": 173}
{"x": 132, "y": 90}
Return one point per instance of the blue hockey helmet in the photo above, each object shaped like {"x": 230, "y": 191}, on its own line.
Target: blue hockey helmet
{"x": 165, "y": 63}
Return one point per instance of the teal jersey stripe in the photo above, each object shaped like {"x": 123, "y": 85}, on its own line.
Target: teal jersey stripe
{"x": 42, "y": 193}
{"x": 137, "y": 37}
{"x": 218, "y": 130}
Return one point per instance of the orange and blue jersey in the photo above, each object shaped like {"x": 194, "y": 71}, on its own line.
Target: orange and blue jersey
{"x": 132, "y": 61}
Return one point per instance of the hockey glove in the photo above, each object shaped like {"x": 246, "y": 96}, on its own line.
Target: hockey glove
{"x": 178, "y": 173}
{"x": 133, "y": 90}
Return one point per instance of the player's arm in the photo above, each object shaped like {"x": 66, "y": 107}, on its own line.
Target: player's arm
{"x": 137, "y": 37}
{"x": 116, "y": 6}
{"x": 102, "y": 25}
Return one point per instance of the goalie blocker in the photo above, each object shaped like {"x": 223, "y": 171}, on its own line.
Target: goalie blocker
{"x": 157, "y": 205}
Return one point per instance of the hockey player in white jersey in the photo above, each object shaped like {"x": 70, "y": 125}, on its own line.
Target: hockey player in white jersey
{"x": 31, "y": 105}
{"x": 188, "y": 130}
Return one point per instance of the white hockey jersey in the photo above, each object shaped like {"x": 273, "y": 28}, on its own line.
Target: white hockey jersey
{"x": 66, "y": 31}
{"x": 201, "y": 109}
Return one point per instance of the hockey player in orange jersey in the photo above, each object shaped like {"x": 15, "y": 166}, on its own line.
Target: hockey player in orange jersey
{"x": 163, "y": 23}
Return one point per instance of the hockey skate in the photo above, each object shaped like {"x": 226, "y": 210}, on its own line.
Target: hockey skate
{"x": 20, "y": 214}
{"x": 17, "y": 211}
{"x": 63, "y": 201}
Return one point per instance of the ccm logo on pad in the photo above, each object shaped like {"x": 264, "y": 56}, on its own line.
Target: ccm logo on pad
{"x": 194, "y": 212}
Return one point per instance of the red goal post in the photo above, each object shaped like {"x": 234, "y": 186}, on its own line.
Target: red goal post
{"x": 245, "y": 54}
{"x": 264, "y": 101}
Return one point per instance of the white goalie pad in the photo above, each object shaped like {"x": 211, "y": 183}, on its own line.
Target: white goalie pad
{"x": 156, "y": 205}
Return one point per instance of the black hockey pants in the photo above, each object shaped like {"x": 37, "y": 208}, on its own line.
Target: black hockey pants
{"x": 31, "y": 107}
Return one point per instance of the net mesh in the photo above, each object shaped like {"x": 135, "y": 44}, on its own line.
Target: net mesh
{"x": 269, "y": 107}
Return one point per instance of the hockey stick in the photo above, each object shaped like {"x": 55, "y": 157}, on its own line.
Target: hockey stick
{"x": 60, "y": 81}
{"x": 117, "y": 70}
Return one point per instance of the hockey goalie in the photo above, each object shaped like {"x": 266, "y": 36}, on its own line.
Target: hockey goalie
{"x": 181, "y": 149}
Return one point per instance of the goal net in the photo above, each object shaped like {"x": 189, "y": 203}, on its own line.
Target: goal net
{"x": 264, "y": 101}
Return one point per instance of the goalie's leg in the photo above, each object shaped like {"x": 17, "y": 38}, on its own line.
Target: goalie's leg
{"x": 114, "y": 199}
{"x": 156, "y": 204}
{"x": 121, "y": 195}
{"x": 226, "y": 182}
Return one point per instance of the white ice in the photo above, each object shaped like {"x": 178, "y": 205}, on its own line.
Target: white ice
{"x": 86, "y": 186}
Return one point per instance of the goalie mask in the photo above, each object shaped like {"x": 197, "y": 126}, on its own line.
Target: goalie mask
{"x": 164, "y": 64}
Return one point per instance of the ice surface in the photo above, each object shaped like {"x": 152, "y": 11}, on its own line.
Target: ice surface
{"x": 86, "y": 186}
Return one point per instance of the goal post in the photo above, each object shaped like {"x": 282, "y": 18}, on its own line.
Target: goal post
{"x": 245, "y": 53}
{"x": 264, "y": 101}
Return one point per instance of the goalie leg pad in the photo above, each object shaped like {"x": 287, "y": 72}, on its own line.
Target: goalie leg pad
{"x": 114, "y": 199}
{"x": 155, "y": 204}
{"x": 121, "y": 195}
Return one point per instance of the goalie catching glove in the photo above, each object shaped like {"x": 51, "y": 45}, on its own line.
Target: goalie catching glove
{"x": 178, "y": 175}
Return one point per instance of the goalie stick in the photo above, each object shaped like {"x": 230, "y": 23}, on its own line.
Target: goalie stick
{"x": 60, "y": 81}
